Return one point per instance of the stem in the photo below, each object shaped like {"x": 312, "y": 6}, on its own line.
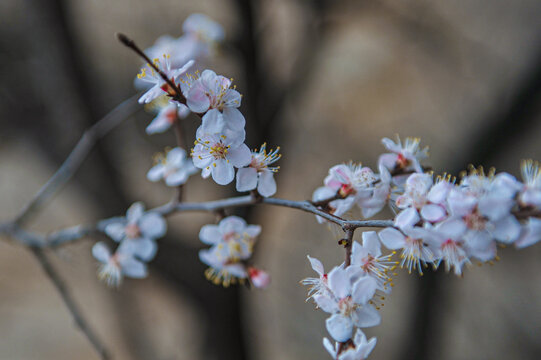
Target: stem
{"x": 69, "y": 302}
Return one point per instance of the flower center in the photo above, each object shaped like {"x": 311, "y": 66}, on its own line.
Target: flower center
{"x": 132, "y": 231}
{"x": 346, "y": 189}
{"x": 219, "y": 150}
{"x": 475, "y": 221}
{"x": 346, "y": 305}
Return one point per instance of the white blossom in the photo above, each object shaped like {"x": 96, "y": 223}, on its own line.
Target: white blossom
{"x": 175, "y": 168}
{"x": 138, "y": 231}
{"x": 153, "y": 78}
{"x": 530, "y": 195}
{"x": 403, "y": 157}
{"x": 217, "y": 153}
{"x": 115, "y": 266}
{"x": 258, "y": 174}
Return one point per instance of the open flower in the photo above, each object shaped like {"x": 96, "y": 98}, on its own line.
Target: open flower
{"x": 368, "y": 258}
{"x": 213, "y": 93}
{"x": 259, "y": 174}
{"x": 153, "y": 78}
{"x": 403, "y": 157}
{"x": 137, "y": 231}
{"x": 317, "y": 286}
{"x": 174, "y": 168}
{"x": 347, "y": 301}
{"x": 222, "y": 271}
{"x": 217, "y": 153}
{"x": 232, "y": 237}
{"x": 358, "y": 349}
{"x": 115, "y": 266}
{"x": 416, "y": 197}
{"x": 530, "y": 195}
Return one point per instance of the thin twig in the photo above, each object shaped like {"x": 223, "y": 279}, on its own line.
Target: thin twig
{"x": 74, "y": 233}
{"x": 69, "y": 302}
{"x": 77, "y": 156}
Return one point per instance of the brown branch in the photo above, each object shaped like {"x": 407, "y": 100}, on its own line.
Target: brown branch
{"x": 69, "y": 302}
{"x": 76, "y": 157}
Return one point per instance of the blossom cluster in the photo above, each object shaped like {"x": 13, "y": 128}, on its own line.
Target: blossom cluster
{"x": 438, "y": 220}
{"x": 232, "y": 243}
{"x": 136, "y": 234}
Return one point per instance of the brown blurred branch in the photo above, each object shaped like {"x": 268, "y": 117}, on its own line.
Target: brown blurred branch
{"x": 69, "y": 302}
{"x": 77, "y": 156}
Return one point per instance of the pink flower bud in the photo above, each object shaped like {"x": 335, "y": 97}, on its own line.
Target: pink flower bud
{"x": 259, "y": 278}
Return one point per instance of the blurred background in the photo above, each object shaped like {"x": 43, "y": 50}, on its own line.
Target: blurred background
{"x": 325, "y": 80}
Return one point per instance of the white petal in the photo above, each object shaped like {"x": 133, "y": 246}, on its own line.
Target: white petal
{"x": 196, "y": 98}
{"x": 156, "y": 173}
{"x": 115, "y": 231}
{"x": 329, "y": 347}
{"x": 507, "y": 229}
{"x": 364, "y": 289}
{"x": 267, "y": 185}
{"x": 212, "y": 122}
{"x": 177, "y": 178}
{"x": 240, "y": 156}
{"x": 252, "y": 230}
{"x": 325, "y": 303}
{"x": 145, "y": 249}
{"x": 153, "y": 225}
{"x": 101, "y": 252}
{"x": 176, "y": 155}
{"x": 160, "y": 124}
{"x": 339, "y": 327}
{"x": 339, "y": 282}
{"x": 133, "y": 268}
{"x": 392, "y": 238}
{"x": 433, "y": 213}
{"x": 371, "y": 243}
{"x": 316, "y": 265}
{"x": 222, "y": 172}
{"x": 135, "y": 211}
{"x": 246, "y": 179}
{"x": 407, "y": 218}
{"x": 232, "y": 224}
{"x": 234, "y": 119}
{"x": 210, "y": 234}
{"x": 367, "y": 316}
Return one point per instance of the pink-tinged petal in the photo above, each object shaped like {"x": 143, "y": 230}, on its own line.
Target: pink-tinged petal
{"x": 438, "y": 193}
{"x": 116, "y": 231}
{"x": 339, "y": 327}
{"x": 135, "y": 211}
{"x": 364, "y": 289}
{"x": 222, "y": 172}
{"x": 212, "y": 122}
{"x": 433, "y": 213}
{"x": 267, "y": 185}
{"x": 240, "y": 156}
{"x": 507, "y": 230}
{"x": 153, "y": 225}
{"x": 246, "y": 179}
{"x": 367, "y": 316}
{"x": 259, "y": 278}
{"x": 197, "y": 99}
{"x": 160, "y": 124}
{"x": 329, "y": 347}
{"x": 233, "y": 118}
{"x": 407, "y": 218}
{"x": 210, "y": 234}
{"x": 371, "y": 243}
{"x": 101, "y": 252}
{"x": 156, "y": 173}
{"x": 339, "y": 282}
{"x": 133, "y": 268}
{"x": 316, "y": 265}
{"x": 392, "y": 238}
